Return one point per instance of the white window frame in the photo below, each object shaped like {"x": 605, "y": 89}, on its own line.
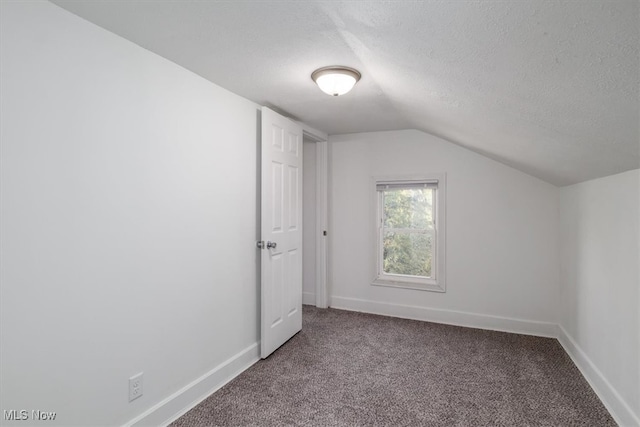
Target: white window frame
{"x": 437, "y": 282}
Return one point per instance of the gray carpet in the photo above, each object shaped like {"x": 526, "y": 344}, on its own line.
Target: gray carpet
{"x": 355, "y": 369}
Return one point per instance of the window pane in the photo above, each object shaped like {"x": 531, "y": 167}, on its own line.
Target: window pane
{"x": 407, "y": 253}
{"x": 408, "y": 208}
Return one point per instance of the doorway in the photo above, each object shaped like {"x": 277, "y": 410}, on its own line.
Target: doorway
{"x": 314, "y": 214}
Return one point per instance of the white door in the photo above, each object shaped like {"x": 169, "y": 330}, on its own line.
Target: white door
{"x": 281, "y": 231}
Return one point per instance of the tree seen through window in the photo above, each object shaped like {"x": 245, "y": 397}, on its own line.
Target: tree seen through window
{"x": 408, "y": 231}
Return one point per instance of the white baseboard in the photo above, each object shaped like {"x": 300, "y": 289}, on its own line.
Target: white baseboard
{"x": 308, "y": 298}
{"x": 615, "y": 404}
{"x": 449, "y": 317}
{"x": 182, "y": 401}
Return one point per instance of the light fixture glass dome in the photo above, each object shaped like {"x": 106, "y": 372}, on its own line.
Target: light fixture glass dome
{"x": 335, "y": 80}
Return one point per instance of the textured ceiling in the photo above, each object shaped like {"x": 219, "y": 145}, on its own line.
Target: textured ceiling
{"x": 548, "y": 87}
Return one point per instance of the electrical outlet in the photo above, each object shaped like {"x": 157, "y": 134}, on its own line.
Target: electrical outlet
{"x": 135, "y": 387}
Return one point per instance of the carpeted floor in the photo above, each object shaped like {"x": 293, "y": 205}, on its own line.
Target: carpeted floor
{"x": 355, "y": 369}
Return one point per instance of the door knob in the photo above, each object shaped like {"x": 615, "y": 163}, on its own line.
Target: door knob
{"x": 271, "y": 245}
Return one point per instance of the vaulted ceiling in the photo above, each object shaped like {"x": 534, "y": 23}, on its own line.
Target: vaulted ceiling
{"x": 548, "y": 87}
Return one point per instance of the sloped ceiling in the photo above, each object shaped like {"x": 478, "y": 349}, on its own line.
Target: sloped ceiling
{"x": 548, "y": 87}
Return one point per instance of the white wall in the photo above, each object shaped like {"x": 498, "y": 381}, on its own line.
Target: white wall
{"x": 501, "y": 237}
{"x": 128, "y": 220}
{"x": 309, "y": 223}
{"x": 600, "y": 281}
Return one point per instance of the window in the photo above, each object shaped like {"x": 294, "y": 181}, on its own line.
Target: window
{"x": 410, "y": 232}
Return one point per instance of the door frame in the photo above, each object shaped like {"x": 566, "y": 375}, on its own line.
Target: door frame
{"x": 322, "y": 168}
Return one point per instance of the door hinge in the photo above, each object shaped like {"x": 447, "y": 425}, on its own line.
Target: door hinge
{"x": 324, "y": 233}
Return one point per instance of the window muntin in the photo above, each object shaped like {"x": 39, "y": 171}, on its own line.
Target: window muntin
{"x": 407, "y": 229}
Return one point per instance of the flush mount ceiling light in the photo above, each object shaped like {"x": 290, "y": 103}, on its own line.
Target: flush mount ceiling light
{"x": 335, "y": 80}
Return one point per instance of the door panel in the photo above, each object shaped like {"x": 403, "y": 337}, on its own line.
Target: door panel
{"x": 294, "y": 204}
{"x": 281, "y": 210}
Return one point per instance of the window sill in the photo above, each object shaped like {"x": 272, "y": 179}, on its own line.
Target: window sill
{"x": 430, "y": 287}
